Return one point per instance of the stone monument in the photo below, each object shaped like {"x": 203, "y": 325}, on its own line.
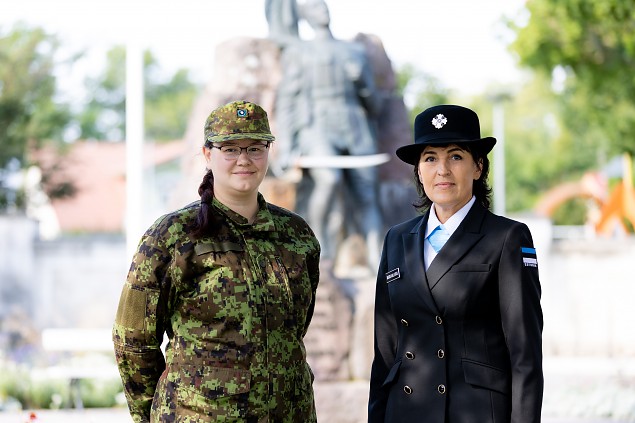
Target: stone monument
{"x": 339, "y": 341}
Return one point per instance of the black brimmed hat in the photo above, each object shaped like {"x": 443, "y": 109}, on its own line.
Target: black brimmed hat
{"x": 445, "y": 124}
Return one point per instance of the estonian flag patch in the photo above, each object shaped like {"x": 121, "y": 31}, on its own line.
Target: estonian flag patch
{"x": 529, "y": 257}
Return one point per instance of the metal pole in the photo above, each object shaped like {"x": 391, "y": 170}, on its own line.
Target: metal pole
{"x": 134, "y": 145}
{"x": 499, "y": 158}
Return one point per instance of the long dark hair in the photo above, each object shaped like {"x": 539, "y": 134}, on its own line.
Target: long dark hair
{"x": 205, "y": 217}
{"x": 480, "y": 187}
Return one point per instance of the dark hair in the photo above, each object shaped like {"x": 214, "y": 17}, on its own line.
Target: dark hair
{"x": 480, "y": 187}
{"x": 205, "y": 217}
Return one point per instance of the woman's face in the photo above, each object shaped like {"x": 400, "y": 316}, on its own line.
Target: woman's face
{"x": 236, "y": 177}
{"x": 447, "y": 174}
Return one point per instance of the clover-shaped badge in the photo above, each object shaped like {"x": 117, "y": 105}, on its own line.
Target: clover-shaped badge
{"x": 439, "y": 121}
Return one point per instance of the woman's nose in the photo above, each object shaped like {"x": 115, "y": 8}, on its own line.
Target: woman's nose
{"x": 442, "y": 168}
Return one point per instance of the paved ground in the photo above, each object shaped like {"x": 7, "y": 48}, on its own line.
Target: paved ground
{"x": 566, "y": 393}
{"x": 336, "y": 403}
{"x": 121, "y": 416}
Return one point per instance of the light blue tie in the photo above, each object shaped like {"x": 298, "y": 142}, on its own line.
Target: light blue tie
{"x": 438, "y": 237}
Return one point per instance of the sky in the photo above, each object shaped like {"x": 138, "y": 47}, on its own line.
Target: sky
{"x": 460, "y": 42}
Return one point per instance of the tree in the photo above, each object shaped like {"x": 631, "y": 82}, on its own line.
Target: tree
{"x": 167, "y": 101}
{"x": 30, "y": 115}
{"x": 420, "y": 89}
{"x": 592, "y": 43}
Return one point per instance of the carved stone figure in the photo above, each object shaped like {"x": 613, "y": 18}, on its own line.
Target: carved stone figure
{"x": 326, "y": 113}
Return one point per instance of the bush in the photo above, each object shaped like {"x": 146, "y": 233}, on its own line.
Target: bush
{"x": 33, "y": 391}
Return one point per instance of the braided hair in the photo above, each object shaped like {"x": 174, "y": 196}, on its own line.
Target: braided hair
{"x": 205, "y": 217}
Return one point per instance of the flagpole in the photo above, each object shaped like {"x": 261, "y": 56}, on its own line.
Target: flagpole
{"x": 134, "y": 145}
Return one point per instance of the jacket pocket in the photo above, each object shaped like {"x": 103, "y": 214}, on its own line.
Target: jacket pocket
{"x": 214, "y": 382}
{"x": 393, "y": 374}
{"x": 486, "y": 376}
{"x": 471, "y": 267}
{"x": 213, "y": 392}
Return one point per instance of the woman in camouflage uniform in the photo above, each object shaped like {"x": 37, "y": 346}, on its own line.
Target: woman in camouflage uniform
{"x": 231, "y": 281}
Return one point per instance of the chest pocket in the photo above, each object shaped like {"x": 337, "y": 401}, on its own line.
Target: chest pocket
{"x": 213, "y": 255}
{"x": 218, "y": 273}
{"x": 223, "y": 246}
{"x": 471, "y": 268}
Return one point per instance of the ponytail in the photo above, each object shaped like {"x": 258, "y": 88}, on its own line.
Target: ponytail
{"x": 204, "y": 219}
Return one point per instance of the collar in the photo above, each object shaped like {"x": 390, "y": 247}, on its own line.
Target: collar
{"x": 452, "y": 223}
{"x": 263, "y": 222}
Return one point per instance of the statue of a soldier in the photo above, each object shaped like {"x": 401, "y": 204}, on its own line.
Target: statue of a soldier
{"x": 325, "y": 119}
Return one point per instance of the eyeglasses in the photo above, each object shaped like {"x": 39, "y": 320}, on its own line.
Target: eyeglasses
{"x": 232, "y": 152}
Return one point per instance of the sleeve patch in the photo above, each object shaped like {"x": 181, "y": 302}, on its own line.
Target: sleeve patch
{"x": 131, "y": 312}
{"x": 529, "y": 256}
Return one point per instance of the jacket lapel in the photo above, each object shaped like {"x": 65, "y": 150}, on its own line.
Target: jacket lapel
{"x": 413, "y": 252}
{"x": 462, "y": 240}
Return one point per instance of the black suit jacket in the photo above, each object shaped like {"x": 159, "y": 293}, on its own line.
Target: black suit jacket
{"x": 461, "y": 343}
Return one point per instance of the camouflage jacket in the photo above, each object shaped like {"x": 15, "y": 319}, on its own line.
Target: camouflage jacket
{"x": 235, "y": 309}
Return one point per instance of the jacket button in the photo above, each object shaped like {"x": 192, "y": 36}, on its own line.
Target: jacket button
{"x": 410, "y": 355}
{"x": 438, "y": 320}
{"x": 441, "y": 389}
{"x": 404, "y": 322}
{"x": 440, "y": 353}
{"x": 407, "y": 389}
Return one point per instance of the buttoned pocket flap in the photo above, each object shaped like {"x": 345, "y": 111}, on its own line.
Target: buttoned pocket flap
{"x": 486, "y": 376}
{"x": 215, "y": 382}
{"x": 216, "y": 247}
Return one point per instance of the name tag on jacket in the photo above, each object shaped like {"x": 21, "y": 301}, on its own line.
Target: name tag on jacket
{"x": 393, "y": 275}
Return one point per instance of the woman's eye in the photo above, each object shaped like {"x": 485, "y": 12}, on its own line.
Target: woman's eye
{"x": 457, "y": 157}
{"x": 230, "y": 150}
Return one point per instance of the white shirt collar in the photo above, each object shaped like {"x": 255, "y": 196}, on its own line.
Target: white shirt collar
{"x": 453, "y": 222}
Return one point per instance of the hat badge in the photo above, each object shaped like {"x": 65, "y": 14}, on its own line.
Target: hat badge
{"x": 242, "y": 113}
{"x": 439, "y": 121}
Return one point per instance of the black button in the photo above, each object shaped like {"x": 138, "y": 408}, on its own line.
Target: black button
{"x": 441, "y": 389}
{"x": 440, "y": 353}
{"x": 407, "y": 389}
{"x": 438, "y": 320}
{"x": 404, "y": 322}
{"x": 410, "y": 355}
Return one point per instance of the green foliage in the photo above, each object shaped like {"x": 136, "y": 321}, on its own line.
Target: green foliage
{"x": 28, "y": 110}
{"x": 32, "y": 392}
{"x": 592, "y": 42}
{"x": 166, "y": 107}
{"x": 422, "y": 90}
{"x": 18, "y": 384}
{"x": 571, "y": 212}
{"x": 103, "y": 116}
{"x": 30, "y": 114}
{"x": 100, "y": 393}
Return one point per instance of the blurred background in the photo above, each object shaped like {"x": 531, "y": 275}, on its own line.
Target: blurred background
{"x": 101, "y": 112}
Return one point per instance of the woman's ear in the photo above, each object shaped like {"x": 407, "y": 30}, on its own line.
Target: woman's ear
{"x": 479, "y": 170}
{"x": 207, "y": 154}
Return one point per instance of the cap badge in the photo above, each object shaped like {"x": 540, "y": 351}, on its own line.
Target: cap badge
{"x": 242, "y": 113}
{"x": 439, "y": 121}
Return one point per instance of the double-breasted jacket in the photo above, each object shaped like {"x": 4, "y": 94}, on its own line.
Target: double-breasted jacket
{"x": 462, "y": 341}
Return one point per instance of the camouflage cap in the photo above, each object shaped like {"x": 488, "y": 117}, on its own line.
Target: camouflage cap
{"x": 238, "y": 120}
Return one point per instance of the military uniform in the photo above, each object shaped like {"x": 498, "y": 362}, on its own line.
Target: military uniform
{"x": 235, "y": 309}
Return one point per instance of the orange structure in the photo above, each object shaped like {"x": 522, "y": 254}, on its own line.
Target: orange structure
{"x": 613, "y": 208}
{"x": 620, "y": 205}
